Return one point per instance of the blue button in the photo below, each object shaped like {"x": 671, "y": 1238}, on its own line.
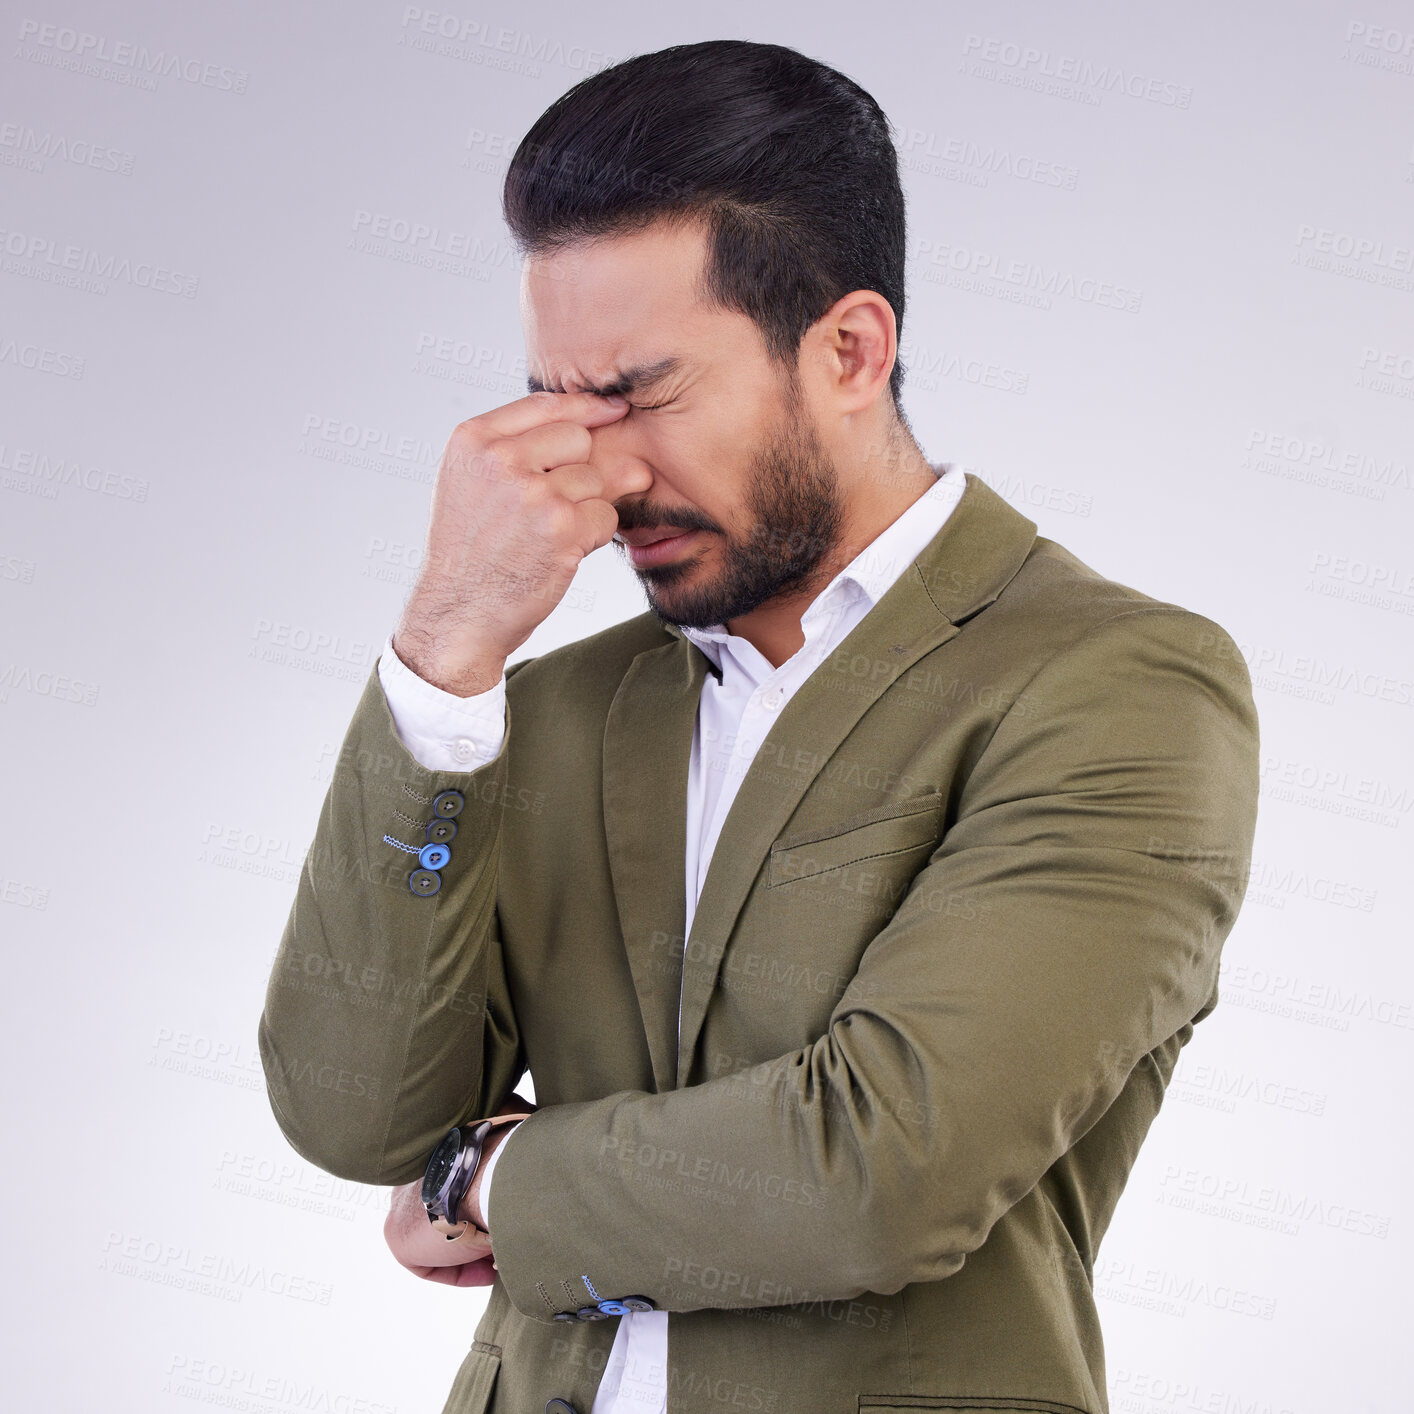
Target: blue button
{"x": 591, "y": 1313}
{"x": 433, "y": 856}
{"x": 442, "y": 831}
{"x": 613, "y": 1308}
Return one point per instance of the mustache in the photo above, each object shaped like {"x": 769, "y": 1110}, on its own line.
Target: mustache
{"x": 643, "y": 518}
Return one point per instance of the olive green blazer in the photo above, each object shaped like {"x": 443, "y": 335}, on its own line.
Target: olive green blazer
{"x": 965, "y": 911}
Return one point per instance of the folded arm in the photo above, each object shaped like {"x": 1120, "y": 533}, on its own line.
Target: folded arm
{"x": 1069, "y": 922}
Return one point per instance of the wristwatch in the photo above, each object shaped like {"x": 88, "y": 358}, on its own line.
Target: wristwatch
{"x": 450, "y": 1171}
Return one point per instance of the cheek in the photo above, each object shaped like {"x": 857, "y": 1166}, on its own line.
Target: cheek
{"x": 707, "y": 463}
{"x": 703, "y": 458}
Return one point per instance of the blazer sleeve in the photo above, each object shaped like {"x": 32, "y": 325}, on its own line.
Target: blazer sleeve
{"x": 1069, "y": 922}
{"x": 387, "y": 1016}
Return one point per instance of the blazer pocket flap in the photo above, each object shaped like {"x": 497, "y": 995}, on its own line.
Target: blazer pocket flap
{"x": 476, "y": 1378}
{"x": 884, "y": 831}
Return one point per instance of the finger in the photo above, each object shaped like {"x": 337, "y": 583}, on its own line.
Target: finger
{"x": 540, "y": 449}
{"x": 587, "y": 409}
{"x": 576, "y": 482}
{"x": 414, "y": 1242}
{"x": 595, "y": 522}
{"x": 425, "y": 1251}
{"x": 477, "y": 1273}
{"x": 446, "y": 1275}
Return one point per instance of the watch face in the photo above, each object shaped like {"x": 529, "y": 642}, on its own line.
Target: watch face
{"x": 439, "y": 1167}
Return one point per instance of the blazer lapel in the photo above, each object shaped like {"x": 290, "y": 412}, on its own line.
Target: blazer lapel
{"x": 647, "y": 744}
{"x": 962, "y": 569}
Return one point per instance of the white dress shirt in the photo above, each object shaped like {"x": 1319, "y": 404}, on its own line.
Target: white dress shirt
{"x": 449, "y": 733}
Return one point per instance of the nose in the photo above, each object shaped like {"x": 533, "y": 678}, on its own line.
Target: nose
{"x": 612, "y": 456}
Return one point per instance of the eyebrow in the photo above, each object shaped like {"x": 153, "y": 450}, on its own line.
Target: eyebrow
{"x": 632, "y": 380}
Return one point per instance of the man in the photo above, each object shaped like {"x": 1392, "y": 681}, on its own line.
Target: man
{"x": 849, "y": 907}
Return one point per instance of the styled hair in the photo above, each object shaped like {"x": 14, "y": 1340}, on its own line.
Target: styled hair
{"x": 790, "y": 165}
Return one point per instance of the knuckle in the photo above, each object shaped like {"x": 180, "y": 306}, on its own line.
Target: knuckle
{"x": 471, "y": 433}
{"x": 498, "y": 460}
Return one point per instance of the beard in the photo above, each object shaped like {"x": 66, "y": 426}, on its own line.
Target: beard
{"x": 797, "y": 519}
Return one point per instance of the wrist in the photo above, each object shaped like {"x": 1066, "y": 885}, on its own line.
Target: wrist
{"x": 471, "y": 1210}
{"x": 473, "y": 1205}
{"x": 460, "y": 674}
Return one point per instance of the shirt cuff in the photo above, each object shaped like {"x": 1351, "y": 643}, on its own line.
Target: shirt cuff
{"x": 490, "y": 1168}
{"x": 443, "y": 732}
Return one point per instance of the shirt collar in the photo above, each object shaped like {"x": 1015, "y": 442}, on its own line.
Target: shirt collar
{"x": 873, "y": 570}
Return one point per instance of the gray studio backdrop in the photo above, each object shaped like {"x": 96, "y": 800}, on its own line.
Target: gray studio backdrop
{"x": 252, "y": 273}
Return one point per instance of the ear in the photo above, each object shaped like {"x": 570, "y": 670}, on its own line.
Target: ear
{"x": 850, "y": 351}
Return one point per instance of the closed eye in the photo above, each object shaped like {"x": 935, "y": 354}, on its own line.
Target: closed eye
{"x": 648, "y": 407}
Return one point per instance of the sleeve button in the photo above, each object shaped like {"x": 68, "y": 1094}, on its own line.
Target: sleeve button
{"x": 441, "y": 831}
{"x": 424, "y": 883}
{"x": 448, "y": 803}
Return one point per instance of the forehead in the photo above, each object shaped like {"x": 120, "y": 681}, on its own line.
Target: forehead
{"x": 603, "y": 309}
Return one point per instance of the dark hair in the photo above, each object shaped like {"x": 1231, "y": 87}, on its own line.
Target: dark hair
{"x": 790, "y": 164}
